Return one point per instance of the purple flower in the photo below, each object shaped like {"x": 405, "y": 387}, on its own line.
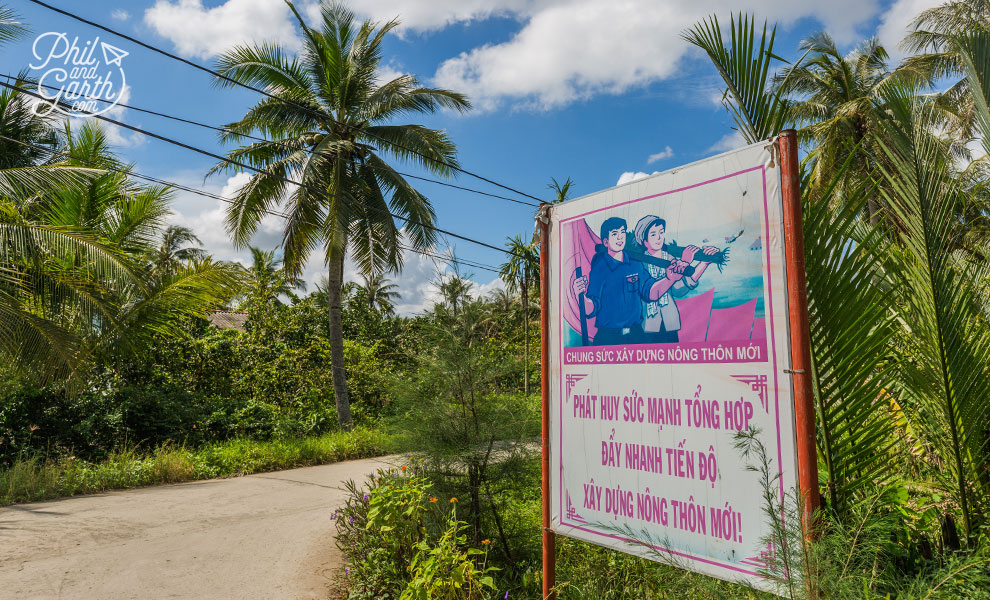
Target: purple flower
{"x": 367, "y": 497}
{"x": 347, "y": 571}
{"x": 506, "y": 596}
{"x": 350, "y": 520}
{"x": 333, "y": 516}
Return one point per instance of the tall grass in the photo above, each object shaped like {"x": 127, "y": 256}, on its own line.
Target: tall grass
{"x": 36, "y": 478}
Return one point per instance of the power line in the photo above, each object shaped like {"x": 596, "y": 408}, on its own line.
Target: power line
{"x": 454, "y": 260}
{"x": 273, "y": 96}
{"x": 261, "y": 139}
{"x": 204, "y": 193}
{"x": 248, "y": 167}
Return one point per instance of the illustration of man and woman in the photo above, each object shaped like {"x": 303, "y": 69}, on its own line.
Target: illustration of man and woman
{"x": 632, "y": 299}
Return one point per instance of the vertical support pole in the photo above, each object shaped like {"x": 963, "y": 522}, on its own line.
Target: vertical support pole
{"x": 549, "y": 538}
{"x": 797, "y": 314}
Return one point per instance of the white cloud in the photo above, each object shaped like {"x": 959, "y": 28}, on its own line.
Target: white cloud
{"x": 895, "y": 24}
{"x": 664, "y": 154}
{"x": 487, "y": 288}
{"x": 205, "y": 216}
{"x": 120, "y": 14}
{"x": 564, "y": 51}
{"x": 206, "y": 32}
{"x": 630, "y": 176}
{"x": 388, "y": 72}
{"x": 729, "y": 141}
{"x": 428, "y": 15}
{"x": 568, "y": 51}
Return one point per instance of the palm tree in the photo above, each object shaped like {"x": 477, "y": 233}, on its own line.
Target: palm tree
{"x": 908, "y": 302}
{"x": 561, "y": 191}
{"x": 522, "y": 268}
{"x": 839, "y": 99}
{"x": 454, "y": 289}
{"x": 380, "y": 292}
{"x": 759, "y": 111}
{"x": 75, "y": 277}
{"x": 944, "y": 389}
{"x": 19, "y": 121}
{"x": 173, "y": 249}
{"x": 502, "y": 298}
{"x": 330, "y": 123}
{"x": 10, "y": 26}
{"x": 268, "y": 280}
{"x": 934, "y": 40}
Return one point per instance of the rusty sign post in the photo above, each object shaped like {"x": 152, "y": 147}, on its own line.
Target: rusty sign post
{"x": 549, "y": 538}
{"x": 800, "y": 336}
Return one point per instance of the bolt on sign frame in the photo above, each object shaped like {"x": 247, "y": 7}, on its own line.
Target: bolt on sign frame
{"x": 674, "y": 320}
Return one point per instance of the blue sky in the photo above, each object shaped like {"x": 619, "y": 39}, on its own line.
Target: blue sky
{"x": 598, "y": 90}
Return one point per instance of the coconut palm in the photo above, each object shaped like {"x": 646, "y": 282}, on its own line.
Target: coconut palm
{"x": 561, "y": 191}
{"x": 839, "y": 100}
{"x": 268, "y": 280}
{"x": 519, "y": 272}
{"x": 11, "y": 27}
{"x": 454, "y": 289}
{"x": 503, "y": 299}
{"x": 29, "y": 162}
{"x": 19, "y": 121}
{"x": 331, "y": 124}
{"x": 380, "y": 292}
{"x": 931, "y": 35}
{"x": 75, "y": 277}
{"x": 759, "y": 111}
{"x": 175, "y": 249}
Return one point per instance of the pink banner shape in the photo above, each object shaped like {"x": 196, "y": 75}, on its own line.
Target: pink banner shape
{"x": 735, "y": 323}
{"x": 577, "y": 248}
{"x": 694, "y": 316}
{"x": 759, "y": 328}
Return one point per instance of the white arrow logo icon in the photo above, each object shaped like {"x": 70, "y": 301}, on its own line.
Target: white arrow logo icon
{"x": 113, "y": 51}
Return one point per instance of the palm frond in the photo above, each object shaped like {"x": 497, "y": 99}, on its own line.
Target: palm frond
{"x": 11, "y": 28}
{"x": 745, "y": 65}
{"x": 851, "y": 322}
{"x": 944, "y": 382}
{"x": 974, "y": 49}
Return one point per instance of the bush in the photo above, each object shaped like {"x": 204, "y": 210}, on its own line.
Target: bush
{"x": 33, "y": 479}
{"x": 399, "y": 541}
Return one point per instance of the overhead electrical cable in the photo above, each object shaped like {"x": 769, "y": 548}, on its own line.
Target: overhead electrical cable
{"x": 261, "y": 139}
{"x": 206, "y": 194}
{"x": 253, "y": 169}
{"x": 274, "y": 96}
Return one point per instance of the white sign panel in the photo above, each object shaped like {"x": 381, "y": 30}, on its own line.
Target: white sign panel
{"x": 668, "y": 333}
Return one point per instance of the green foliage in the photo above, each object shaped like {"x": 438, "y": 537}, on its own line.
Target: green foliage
{"x": 78, "y": 252}
{"x": 745, "y": 66}
{"x": 944, "y": 390}
{"x": 456, "y": 404}
{"x": 33, "y": 479}
{"x": 446, "y": 571}
{"x": 330, "y": 129}
{"x": 399, "y": 541}
{"x": 851, "y": 319}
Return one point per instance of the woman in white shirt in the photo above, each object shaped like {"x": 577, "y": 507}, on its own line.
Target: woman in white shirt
{"x": 661, "y": 319}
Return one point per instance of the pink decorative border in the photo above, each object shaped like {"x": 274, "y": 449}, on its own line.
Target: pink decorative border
{"x": 771, "y": 343}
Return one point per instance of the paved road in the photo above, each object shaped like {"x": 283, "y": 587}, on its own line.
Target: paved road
{"x": 266, "y": 536}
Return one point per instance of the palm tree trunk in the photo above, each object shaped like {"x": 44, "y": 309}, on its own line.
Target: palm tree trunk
{"x": 525, "y": 309}
{"x": 335, "y": 282}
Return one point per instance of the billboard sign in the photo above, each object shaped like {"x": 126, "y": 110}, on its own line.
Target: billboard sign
{"x": 668, "y": 335}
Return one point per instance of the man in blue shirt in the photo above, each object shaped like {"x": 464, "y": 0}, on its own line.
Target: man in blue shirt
{"x": 616, "y": 288}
